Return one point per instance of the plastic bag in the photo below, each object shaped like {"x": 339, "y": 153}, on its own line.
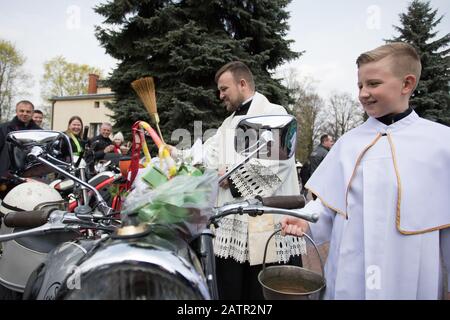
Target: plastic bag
{"x": 185, "y": 202}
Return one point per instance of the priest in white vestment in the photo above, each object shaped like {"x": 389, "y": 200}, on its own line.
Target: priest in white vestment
{"x": 384, "y": 192}
{"x": 239, "y": 241}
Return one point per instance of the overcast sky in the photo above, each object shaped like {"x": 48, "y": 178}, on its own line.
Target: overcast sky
{"x": 333, "y": 34}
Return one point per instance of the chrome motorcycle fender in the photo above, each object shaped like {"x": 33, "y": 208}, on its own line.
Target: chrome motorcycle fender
{"x": 57, "y": 270}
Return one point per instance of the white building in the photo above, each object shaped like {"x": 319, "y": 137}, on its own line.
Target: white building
{"x": 89, "y": 107}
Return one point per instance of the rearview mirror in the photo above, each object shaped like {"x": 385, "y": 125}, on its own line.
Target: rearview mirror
{"x": 30, "y": 138}
{"x": 251, "y": 132}
{"x": 20, "y": 143}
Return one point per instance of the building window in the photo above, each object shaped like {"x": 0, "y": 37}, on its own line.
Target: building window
{"x": 94, "y": 129}
{"x": 97, "y": 104}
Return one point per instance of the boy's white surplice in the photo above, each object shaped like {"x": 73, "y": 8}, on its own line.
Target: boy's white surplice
{"x": 384, "y": 203}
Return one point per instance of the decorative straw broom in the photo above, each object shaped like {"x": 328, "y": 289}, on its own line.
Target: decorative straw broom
{"x": 145, "y": 89}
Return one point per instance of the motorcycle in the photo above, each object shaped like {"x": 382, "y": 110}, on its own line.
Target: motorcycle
{"x": 85, "y": 168}
{"x": 138, "y": 260}
{"x": 39, "y": 152}
{"x": 24, "y": 170}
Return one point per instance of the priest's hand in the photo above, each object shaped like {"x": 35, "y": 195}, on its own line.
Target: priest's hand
{"x": 294, "y": 226}
{"x": 224, "y": 184}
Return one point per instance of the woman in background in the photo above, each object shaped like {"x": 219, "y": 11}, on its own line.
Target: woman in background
{"x": 74, "y": 128}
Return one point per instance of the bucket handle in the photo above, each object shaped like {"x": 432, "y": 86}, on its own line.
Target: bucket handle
{"x": 304, "y": 235}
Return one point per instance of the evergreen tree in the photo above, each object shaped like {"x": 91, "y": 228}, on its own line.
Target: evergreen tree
{"x": 431, "y": 99}
{"x": 182, "y": 44}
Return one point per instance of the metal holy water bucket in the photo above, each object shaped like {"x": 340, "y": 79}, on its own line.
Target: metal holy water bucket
{"x": 286, "y": 282}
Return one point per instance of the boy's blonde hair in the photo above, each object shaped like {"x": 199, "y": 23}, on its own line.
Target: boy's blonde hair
{"x": 405, "y": 56}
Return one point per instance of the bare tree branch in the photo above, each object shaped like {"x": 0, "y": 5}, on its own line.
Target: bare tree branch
{"x": 344, "y": 114}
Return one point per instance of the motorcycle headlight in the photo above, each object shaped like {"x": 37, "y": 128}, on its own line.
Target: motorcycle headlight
{"x": 129, "y": 282}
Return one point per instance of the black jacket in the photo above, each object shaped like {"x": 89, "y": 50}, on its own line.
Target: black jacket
{"x": 317, "y": 156}
{"x": 98, "y": 144}
{"x": 14, "y": 125}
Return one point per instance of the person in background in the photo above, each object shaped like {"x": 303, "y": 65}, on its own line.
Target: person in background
{"x": 118, "y": 141}
{"x": 102, "y": 144}
{"x": 22, "y": 121}
{"x": 74, "y": 128}
{"x": 317, "y": 156}
{"x": 38, "y": 117}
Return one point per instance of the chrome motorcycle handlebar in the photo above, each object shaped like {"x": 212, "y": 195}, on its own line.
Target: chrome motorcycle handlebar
{"x": 57, "y": 221}
{"x": 62, "y": 163}
{"x": 255, "y": 207}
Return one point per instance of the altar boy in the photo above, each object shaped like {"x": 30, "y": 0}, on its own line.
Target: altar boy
{"x": 384, "y": 191}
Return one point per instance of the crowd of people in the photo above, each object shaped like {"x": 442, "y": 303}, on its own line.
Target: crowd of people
{"x": 389, "y": 235}
{"x": 28, "y": 118}
{"x": 101, "y": 144}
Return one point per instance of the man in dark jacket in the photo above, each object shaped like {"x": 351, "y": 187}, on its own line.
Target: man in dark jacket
{"x": 102, "y": 144}
{"x": 316, "y": 157}
{"x": 22, "y": 121}
{"x": 326, "y": 142}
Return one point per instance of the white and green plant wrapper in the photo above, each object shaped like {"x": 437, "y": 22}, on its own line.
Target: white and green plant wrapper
{"x": 184, "y": 202}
